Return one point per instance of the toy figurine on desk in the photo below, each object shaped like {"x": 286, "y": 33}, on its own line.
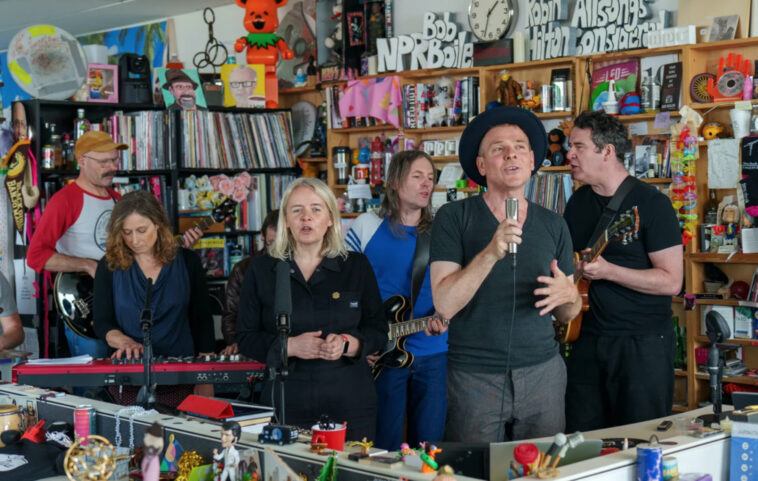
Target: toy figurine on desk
{"x": 151, "y": 461}
{"x": 430, "y": 451}
{"x": 262, "y": 43}
{"x": 228, "y": 459}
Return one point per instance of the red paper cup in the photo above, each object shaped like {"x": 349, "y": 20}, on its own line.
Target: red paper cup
{"x": 334, "y": 438}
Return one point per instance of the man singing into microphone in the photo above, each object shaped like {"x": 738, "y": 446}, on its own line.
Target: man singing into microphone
{"x": 506, "y": 380}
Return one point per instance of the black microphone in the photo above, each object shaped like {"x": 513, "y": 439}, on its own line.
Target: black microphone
{"x": 511, "y": 212}
{"x": 283, "y": 297}
{"x": 717, "y": 331}
{"x": 147, "y": 313}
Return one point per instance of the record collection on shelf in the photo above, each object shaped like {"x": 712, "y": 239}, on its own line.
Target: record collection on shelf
{"x": 225, "y": 140}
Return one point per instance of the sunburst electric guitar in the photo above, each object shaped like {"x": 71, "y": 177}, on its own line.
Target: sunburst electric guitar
{"x": 393, "y": 354}
{"x": 73, "y": 291}
{"x": 624, "y": 230}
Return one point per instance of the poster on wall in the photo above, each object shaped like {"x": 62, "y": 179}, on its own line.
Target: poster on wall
{"x": 244, "y": 85}
{"x": 181, "y": 89}
{"x": 297, "y": 26}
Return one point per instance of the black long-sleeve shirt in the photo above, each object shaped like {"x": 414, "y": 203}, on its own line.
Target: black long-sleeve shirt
{"x": 341, "y": 297}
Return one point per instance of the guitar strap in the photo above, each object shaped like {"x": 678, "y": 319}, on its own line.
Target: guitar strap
{"x": 420, "y": 262}
{"x": 613, "y": 206}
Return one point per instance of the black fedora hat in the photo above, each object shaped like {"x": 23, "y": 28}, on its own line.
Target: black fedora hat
{"x": 176, "y": 75}
{"x": 468, "y": 148}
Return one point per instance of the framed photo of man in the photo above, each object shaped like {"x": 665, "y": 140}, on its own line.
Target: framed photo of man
{"x": 181, "y": 89}
{"x": 244, "y": 85}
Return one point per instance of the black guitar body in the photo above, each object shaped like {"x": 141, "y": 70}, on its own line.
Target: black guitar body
{"x": 73, "y": 296}
{"x": 394, "y": 354}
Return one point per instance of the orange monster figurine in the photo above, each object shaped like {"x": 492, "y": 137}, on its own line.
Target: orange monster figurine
{"x": 263, "y": 45}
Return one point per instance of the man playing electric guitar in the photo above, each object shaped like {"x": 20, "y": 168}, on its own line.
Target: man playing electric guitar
{"x": 70, "y": 236}
{"x": 621, "y": 369}
{"x": 389, "y": 240}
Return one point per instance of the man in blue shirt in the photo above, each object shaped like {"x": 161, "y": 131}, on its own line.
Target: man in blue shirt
{"x": 389, "y": 241}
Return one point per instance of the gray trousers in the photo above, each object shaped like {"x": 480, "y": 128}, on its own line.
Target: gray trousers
{"x": 521, "y": 403}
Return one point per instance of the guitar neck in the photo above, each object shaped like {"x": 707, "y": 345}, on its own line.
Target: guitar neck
{"x": 597, "y": 248}
{"x": 406, "y": 328}
{"x": 202, "y": 224}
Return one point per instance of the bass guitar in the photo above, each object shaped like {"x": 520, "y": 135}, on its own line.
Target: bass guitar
{"x": 73, "y": 291}
{"x": 626, "y": 230}
{"x": 394, "y": 354}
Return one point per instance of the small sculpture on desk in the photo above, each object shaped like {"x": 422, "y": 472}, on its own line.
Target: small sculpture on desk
{"x": 430, "y": 451}
{"x": 227, "y": 460}
{"x": 151, "y": 461}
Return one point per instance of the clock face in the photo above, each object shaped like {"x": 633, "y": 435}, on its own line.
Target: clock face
{"x": 491, "y": 19}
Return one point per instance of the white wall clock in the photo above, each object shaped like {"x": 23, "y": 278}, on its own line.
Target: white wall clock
{"x": 492, "y": 19}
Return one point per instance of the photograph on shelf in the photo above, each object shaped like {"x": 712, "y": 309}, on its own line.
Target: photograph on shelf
{"x": 651, "y": 156}
{"x": 723, "y": 28}
{"x": 625, "y": 73}
{"x": 355, "y": 23}
{"x": 244, "y": 85}
{"x": 181, "y": 89}
{"x": 102, "y": 83}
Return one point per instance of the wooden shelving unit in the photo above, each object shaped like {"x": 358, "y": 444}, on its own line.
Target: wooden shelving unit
{"x": 690, "y": 388}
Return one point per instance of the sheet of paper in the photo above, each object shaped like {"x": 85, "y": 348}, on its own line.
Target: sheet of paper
{"x": 25, "y": 278}
{"x": 359, "y": 191}
{"x": 723, "y": 163}
{"x": 638, "y": 128}
{"x": 83, "y": 359}
{"x": 662, "y": 120}
{"x": 749, "y": 241}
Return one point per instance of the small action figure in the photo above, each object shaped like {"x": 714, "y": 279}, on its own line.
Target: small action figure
{"x": 509, "y": 89}
{"x": 151, "y": 461}
{"x": 228, "y": 459}
{"x": 430, "y": 451}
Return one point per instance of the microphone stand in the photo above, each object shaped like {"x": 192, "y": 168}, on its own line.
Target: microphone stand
{"x": 282, "y": 372}
{"x": 716, "y": 365}
{"x": 146, "y": 396}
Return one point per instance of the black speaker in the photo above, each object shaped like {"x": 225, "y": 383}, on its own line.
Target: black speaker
{"x": 134, "y": 79}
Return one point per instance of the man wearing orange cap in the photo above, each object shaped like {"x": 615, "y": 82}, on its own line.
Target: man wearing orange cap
{"x": 71, "y": 234}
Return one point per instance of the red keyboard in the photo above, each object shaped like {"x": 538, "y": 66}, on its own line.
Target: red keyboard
{"x": 109, "y": 372}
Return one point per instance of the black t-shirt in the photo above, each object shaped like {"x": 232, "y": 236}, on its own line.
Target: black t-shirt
{"x": 615, "y": 309}
{"x": 483, "y": 337}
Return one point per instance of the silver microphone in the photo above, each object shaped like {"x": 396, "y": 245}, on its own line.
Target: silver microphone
{"x": 511, "y": 212}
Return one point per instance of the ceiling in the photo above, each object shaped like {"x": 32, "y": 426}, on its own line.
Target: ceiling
{"x": 86, "y": 16}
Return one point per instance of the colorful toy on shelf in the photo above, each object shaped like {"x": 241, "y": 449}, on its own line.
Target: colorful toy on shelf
{"x": 712, "y": 130}
{"x": 684, "y": 154}
{"x": 730, "y": 78}
{"x": 556, "y": 152}
{"x": 263, "y": 45}
{"x": 630, "y": 104}
{"x": 531, "y": 99}
{"x": 509, "y": 90}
